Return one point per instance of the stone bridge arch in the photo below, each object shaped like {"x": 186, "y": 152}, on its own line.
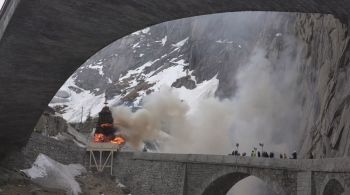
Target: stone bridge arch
{"x": 333, "y": 185}
{"x": 44, "y": 41}
{"x": 282, "y": 182}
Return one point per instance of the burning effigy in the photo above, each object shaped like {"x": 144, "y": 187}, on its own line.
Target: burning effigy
{"x": 106, "y": 139}
{"x": 105, "y": 131}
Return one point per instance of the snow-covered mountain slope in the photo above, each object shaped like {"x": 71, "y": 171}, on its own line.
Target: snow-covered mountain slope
{"x": 185, "y": 54}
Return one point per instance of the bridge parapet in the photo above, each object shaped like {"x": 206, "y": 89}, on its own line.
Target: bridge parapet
{"x": 325, "y": 165}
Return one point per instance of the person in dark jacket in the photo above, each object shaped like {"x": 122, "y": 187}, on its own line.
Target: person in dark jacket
{"x": 265, "y": 155}
{"x": 294, "y": 155}
{"x": 233, "y": 152}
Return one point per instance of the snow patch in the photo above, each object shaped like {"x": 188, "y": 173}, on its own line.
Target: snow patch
{"x": 138, "y": 70}
{"x": 204, "y": 90}
{"x": 52, "y": 174}
{"x": 166, "y": 77}
{"x": 164, "y": 40}
{"x": 80, "y": 104}
{"x": 180, "y": 62}
{"x": 180, "y": 43}
{"x": 136, "y": 45}
{"x": 146, "y": 30}
{"x": 278, "y": 34}
{"x": 98, "y": 66}
{"x": 224, "y": 41}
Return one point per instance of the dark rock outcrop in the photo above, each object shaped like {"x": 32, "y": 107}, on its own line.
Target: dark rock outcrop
{"x": 186, "y": 81}
{"x": 50, "y": 123}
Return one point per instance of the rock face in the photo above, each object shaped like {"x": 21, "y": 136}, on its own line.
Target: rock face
{"x": 184, "y": 81}
{"x": 325, "y": 86}
{"x": 51, "y": 124}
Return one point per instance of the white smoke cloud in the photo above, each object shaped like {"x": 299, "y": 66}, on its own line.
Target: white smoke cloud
{"x": 266, "y": 104}
{"x": 263, "y": 109}
{"x": 251, "y": 186}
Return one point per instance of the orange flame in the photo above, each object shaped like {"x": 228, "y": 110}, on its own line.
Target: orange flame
{"x": 99, "y": 137}
{"x": 118, "y": 140}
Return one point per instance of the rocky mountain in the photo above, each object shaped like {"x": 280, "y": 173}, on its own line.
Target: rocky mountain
{"x": 203, "y": 57}
{"x": 51, "y": 124}
{"x": 325, "y": 85}
{"x": 187, "y": 50}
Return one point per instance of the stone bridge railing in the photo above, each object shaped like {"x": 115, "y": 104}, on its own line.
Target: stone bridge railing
{"x": 322, "y": 165}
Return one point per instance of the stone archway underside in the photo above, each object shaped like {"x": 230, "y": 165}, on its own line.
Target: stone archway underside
{"x": 223, "y": 184}
{"x": 45, "y": 41}
{"x": 333, "y": 187}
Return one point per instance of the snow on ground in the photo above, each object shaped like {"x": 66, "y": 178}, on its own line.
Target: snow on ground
{"x": 88, "y": 101}
{"x": 166, "y": 77}
{"x": 52, "y": 174}
{"x": 169, "y": 75}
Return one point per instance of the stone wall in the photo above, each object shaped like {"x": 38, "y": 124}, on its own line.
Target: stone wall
{"x": 63, "y": 152}
{"x": 150, "y": 177}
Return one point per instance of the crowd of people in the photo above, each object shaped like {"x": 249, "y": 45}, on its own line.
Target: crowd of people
{"x": 264, "y": 154}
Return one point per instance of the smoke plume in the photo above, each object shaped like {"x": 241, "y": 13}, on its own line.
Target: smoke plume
{"x": 264, "y": 109}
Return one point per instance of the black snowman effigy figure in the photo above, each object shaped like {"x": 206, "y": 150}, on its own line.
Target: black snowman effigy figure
{"x": 105, "y": 122}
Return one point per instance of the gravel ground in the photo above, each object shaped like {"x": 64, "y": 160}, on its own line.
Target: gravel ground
{"x": 101, "y": 184}
{"x": 16, "y": 183}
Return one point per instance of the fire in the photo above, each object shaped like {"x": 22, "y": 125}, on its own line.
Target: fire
{"x": 118, "y": 140}
{"x": 99, "y": 138}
